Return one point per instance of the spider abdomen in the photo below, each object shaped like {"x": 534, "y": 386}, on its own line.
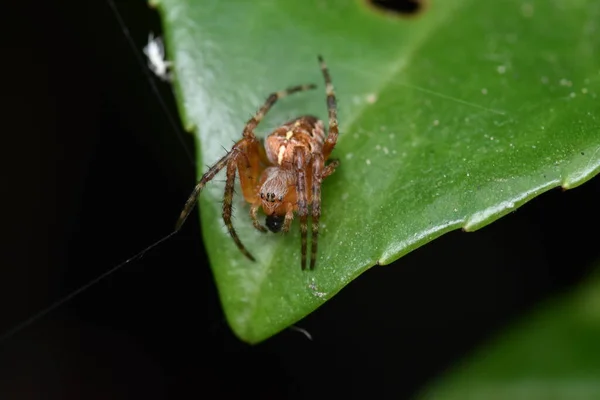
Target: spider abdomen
{"x": 307, "y": 132}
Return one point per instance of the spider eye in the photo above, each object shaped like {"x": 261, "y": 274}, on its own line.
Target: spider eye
{"x": 274, "y": 222}
{"x": 262, "y": 195}
{"x": 280, "y": 198}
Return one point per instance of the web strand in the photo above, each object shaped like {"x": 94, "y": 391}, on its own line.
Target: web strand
{"x": 11, "y": 332}
{"x": 151, "y": 80}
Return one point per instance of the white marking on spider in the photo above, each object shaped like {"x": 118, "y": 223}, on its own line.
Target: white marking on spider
{"x": 280, "y": 155}
{"x": 155, "y": 51}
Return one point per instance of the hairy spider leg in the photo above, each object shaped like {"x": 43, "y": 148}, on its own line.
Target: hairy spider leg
{"x": 254, "y": 216}
{"x": 330, "y": 168}
{"x": 301, "y": 187}
{"x": 231, "y": 160}
{"x": 193, "y": 198}
{"x": 317, "y": 179}
{"x": 318, "y": 174}
{"x": 272, "y": 99}
{"x": 319, "y": 171}
{"x": 289, "y": 216}
{"x": 227, "y": 207}
{"x": 332, "y": 134}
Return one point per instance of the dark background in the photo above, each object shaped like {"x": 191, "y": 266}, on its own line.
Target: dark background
{"x": 92, "y": 172}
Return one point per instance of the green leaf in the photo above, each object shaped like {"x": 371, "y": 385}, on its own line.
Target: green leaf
{"x": 552, "y": 354}
{"x": 450, "y": 119}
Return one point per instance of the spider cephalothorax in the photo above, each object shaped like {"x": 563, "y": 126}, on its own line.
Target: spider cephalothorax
{"x": 284, "y": 176}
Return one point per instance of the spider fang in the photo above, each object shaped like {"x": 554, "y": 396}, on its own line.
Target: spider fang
{"x": 282, "y": 178}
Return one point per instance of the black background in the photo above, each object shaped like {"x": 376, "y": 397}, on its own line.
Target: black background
{"x": 92, "y": 172}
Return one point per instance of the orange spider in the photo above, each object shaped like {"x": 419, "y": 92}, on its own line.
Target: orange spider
{"x": 282, "y": 177}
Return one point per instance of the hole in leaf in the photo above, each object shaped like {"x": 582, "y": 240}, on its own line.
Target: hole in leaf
{"x": 401, "y": 7}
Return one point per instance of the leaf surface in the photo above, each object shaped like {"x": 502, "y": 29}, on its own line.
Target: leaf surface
{"x": 450, "y": 119}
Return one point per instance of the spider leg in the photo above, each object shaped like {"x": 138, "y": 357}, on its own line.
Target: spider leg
{"x": 332, "y": 109}
{"x": 330, "y": 168}
{"x": 301, "y": 186}
{"x": 249, "y": 169}
{"x": 207, "y": 177}
{"x": 254, "y": 215}
{"x": 273, "y": 97}
{"x": 317, "y": 178}
{"x": 245, "y": 149}
{"x": 228, "y": 205}
{"x": 289, "y": 216}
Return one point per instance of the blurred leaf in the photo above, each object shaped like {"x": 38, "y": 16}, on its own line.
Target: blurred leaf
{"x": 450, "y": 119}
{"x": 553, "y": 354}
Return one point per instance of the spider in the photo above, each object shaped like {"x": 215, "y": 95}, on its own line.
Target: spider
{"x": 284, "y": 176}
